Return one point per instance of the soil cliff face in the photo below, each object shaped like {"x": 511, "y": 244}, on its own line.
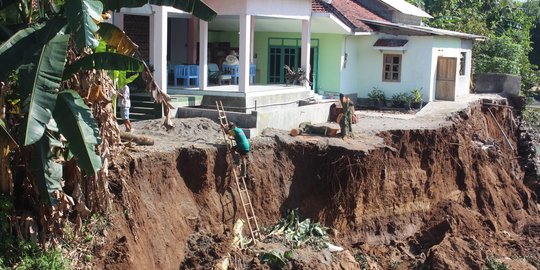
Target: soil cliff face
{"x": 445, "y": 198}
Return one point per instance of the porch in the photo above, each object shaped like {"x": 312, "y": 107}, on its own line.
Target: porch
{"x": 259, "y": 98}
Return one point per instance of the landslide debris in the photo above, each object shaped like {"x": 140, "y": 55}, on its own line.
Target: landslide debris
{"x": 448, "y": 194}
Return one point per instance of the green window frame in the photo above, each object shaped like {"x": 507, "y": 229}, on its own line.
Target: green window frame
{"x": 287, "y": 51}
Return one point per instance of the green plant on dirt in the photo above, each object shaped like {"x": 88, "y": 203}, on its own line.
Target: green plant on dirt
{"x": 275, "y": 259}
{"x": 399, "y": 100}
{"x": 493, "y": 264}
{"x": 362, "y": 260}
{"x": 394, "y": 264}
{"x": 33, "y": 257}
{"x": 377, "y": 96}
{"x": 55, "y": 57}
{"x": 290, "y": 230}
{"x": 532, "y": 117}
{"x": 416, "y": 95}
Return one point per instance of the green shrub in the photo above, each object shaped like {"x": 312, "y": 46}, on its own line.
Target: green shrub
{"x": 377, "y": 95}
{"x": 493, "y": 264}
{"x": 416, "y": 95}
{"x": 400, "y": 100}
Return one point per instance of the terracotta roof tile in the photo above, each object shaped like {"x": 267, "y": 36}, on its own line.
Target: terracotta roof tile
{"x": 349, "y": 11}
{"x": 318, "y": 6}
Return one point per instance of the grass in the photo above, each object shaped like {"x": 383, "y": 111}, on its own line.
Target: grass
{"x": 493, "y": 264}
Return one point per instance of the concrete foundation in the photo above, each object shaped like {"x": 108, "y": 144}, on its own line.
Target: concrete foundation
{"x": 256, "y": 121}
{"x": 264, "y": 106}
{"x": 259, "y": 98}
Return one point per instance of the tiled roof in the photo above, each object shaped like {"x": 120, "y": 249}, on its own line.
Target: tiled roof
{"x": 317, "y": 6}
{"x": 348, "y": 11}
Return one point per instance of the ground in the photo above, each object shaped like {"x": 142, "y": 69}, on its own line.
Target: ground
{"x": 440, "y": 189}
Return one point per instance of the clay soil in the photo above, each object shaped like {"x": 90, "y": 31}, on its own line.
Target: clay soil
{"x": 440, "y": 190}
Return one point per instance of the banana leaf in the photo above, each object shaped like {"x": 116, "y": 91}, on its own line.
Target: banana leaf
{"x": 104, "y": 60}
{"x": 196, "y": 7}
{"x": 82, "y": 16}
{"x": 5, "y": 136}
{"x": 47, "y": 173}
{"x": 21, "y": 47}
{"x": 76, "y": 123}
{"x": 42, "y": 82}
{"x": 117, "y": 39}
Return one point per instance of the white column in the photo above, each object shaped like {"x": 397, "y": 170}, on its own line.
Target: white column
{"x": 158, "y": 47}
{"x": 203, "y": 54}
{"x": 151, "y": 45}
{"x": 245, "y": 52}
{"x": 118, "y": 19}
{"x": 306, "y": 46}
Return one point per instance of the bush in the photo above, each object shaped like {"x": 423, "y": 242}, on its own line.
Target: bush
{"x": 400, "y": 100}
{"x": 416, "y": 95}
{"x": 377, "y": 96}
{"x": 493, "y": 264}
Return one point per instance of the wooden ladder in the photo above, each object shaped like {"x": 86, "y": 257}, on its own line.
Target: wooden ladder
{"x": 239, "y": 180}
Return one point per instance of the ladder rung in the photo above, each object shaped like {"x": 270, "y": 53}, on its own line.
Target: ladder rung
{"x": 252, "y": 217}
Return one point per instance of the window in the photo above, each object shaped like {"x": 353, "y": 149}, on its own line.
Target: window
{"x": 391, "y": 68}
{"x": 462, "y": 62}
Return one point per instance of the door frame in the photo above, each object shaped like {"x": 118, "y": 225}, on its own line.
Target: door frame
{"x": 293, "y": 43}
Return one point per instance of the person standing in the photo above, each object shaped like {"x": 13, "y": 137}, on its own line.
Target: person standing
{"x": 346, "y": 120}
{"x": 125, "y": 104}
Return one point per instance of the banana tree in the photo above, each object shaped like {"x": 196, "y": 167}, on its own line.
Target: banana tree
{"x": 38, "y": 55}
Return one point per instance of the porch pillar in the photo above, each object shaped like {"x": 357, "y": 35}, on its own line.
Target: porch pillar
{"x": 192, "y": 42}
{"x": 245, "y": 52}
{"x": 203, "y": 54}
{"x": 158, "y": 51}
{"x": 306, "y": 47}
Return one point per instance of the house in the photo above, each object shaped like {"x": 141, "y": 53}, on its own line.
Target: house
{"x": 348, "y": 46}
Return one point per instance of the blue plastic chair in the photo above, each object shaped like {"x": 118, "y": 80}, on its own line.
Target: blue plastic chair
{"x": 232, "y": 70}
{"x": 193, "y": 73}
{"x": 252, "y": 71}
{"x": 181, "y": 72}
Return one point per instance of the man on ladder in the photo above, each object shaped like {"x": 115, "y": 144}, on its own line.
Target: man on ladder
{"x": 242, "y": 147}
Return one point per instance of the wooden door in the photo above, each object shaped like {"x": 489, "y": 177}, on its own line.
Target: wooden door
{"x": 446, "y": 78}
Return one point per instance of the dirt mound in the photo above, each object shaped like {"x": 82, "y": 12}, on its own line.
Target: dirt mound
{"x": 447, "y": 197}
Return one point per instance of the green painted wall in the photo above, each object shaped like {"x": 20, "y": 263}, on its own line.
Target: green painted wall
{"x": 330, "y": 48}
{"x": 231, "y": 37}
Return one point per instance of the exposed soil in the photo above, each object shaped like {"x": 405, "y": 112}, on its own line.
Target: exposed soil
{"x": 439, "y": 191}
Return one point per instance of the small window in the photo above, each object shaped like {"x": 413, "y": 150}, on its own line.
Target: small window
{"x": 462, "y": 62}
{"x": 392, "y": 67}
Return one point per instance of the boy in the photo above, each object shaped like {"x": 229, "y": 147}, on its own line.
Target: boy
{"x": 125, "y": 104}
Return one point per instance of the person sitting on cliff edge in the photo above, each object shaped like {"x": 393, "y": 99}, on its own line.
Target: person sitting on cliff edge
{"x": 242, "y": 146}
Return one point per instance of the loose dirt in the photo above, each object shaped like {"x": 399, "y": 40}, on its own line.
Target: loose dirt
{"x": 441, "y": 189}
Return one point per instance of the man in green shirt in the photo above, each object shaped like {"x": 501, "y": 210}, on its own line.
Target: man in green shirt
{"x": 242, "y": 146}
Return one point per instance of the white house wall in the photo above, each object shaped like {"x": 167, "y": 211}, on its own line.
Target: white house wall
{"x": 222, "y": 7}
{"x": 297, "y": 9}
{"x": 452, "y": 47}
{"x": 364, "y": 67}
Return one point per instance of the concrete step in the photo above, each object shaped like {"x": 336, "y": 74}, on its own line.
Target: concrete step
{"x": 145, "y": 110}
